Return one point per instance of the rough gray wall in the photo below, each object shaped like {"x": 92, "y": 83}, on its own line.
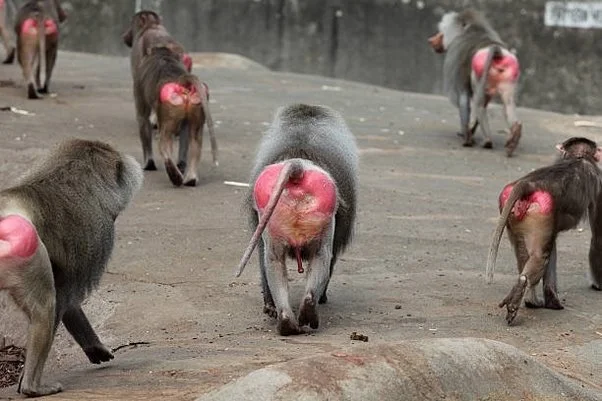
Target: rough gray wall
{"x": 376, "y": 41}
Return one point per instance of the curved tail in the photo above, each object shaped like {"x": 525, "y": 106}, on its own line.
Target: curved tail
{"x": 495, "y": 51}
{"x": 41, "y": 17}
{"x": 520, "y": 190}
{"x": 210, "y": 126}
{"x": 291, "y": 169}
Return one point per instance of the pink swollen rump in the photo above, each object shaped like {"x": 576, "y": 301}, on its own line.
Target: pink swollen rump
{"x": 305, "y": 207}
{"x": 178, "y": 95}
{"x": 18, "y": 237}
{"x": 30, "y": 27}
{"x": 504, "y": 69}
{"x": 50, "y": 27}
{"x": 542, "y": 199}
{"x": 313, "y": 183}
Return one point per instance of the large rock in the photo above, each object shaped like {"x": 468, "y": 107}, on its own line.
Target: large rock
{"x": 449, "y": 368}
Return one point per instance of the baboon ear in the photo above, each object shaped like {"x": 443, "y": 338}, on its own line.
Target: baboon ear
{"x": 560, "y": 148}
{"x": 128, "y": 37}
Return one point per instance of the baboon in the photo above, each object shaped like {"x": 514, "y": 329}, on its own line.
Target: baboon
{"x": 163, "y": 86}
{"x": 538, "y": 206}
{"x": 156, "y": 56}
{"x": 57, "y": 228}
{"x": 7, "y": 41}
{"x": 145, "y": 33}
{"x": 37, "y": 30}
{"x": 477, "y": 67}
{"x": 304, "y": 191}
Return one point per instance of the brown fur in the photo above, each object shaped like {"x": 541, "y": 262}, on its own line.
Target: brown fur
{"x": 145, "y": 33}
{"x": 38, "y": 52}
{"x": 574, "y": 183}
{"x": 160, "y": 67}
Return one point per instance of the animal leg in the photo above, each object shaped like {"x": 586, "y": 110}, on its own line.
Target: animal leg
{"x": 167, "y": 130}
{"x": 79, "y": 327}
{"x": 464, "y": 109}
{"x": 506, "y": 91}
{"x": 277, "y": 279}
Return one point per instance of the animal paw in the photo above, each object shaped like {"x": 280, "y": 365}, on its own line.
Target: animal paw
{"x": 41, "y": 390}
{"x": 308, "y": 314}
{"x": 98, "y": 353}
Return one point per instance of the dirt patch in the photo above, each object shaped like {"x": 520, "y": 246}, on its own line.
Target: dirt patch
{"x": 12, "y": 360}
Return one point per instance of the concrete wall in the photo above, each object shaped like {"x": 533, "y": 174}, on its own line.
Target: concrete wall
{"x": 381, "y": 42}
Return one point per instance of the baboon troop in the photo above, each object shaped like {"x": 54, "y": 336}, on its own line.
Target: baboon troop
{"x": 57, "y": 223}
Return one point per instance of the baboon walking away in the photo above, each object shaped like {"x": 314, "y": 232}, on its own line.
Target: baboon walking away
{"x": 37, "y": 30}
{"x": 162, "y": 85}
{"x": 477, "y": 67}
{"x": 302, "y": 205}
{"x": 535, "y": 208}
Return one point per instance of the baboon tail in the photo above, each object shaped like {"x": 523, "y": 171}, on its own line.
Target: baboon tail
{"x": 210, "y": 126}
{"x": 495, "y": 51}
{"x": 41, "y": 17}
{"x": 520, "y": 190}
{"x": 291, "y": 169}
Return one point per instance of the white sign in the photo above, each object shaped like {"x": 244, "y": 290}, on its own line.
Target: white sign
{"x": 573, "y": 14}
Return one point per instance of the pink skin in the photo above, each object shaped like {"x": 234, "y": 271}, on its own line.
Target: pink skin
{"x": 503, "y": 69}
{"x": 187, "y": 60}
{"x": 178, "y": 95}
{"x": 1, "y": 3}
{"x": 30, "y": 27}
{"x": 18, "y": 238}
{"x": 304, "y": 209}
{"x": 543, "y": 200}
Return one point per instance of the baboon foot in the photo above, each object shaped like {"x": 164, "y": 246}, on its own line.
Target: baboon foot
{"x": 513, "y": 299}
{"x": 288, "y": 327}
{"x": 551, "y": 299}
{"x": 534, "y": 303}
{"x": 43, "y": 89}
{"x": 41, "y": 390}
{"x": 32, "y": 93}
{"x": 174, "y": 174}
{"x": 191, "y": 182}
{"x": 488, "y": 144}
{"x": 98, "y": 353}
{"x": 531, "y": 299}
{"x": 150, "y": 165}
{"x": 10, "y": 57}
{"x": 515, "y": 134}
{"x": 308, "y": 315}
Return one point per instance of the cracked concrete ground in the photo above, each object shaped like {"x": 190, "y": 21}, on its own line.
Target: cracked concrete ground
{"x": 427, "y": 209}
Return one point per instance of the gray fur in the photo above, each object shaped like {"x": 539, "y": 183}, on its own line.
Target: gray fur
{"x": 475, "y": 33}
{"x": 332, "y": 147}
{"x": 72, "y": 198}
{"x": 319, "y": 136}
